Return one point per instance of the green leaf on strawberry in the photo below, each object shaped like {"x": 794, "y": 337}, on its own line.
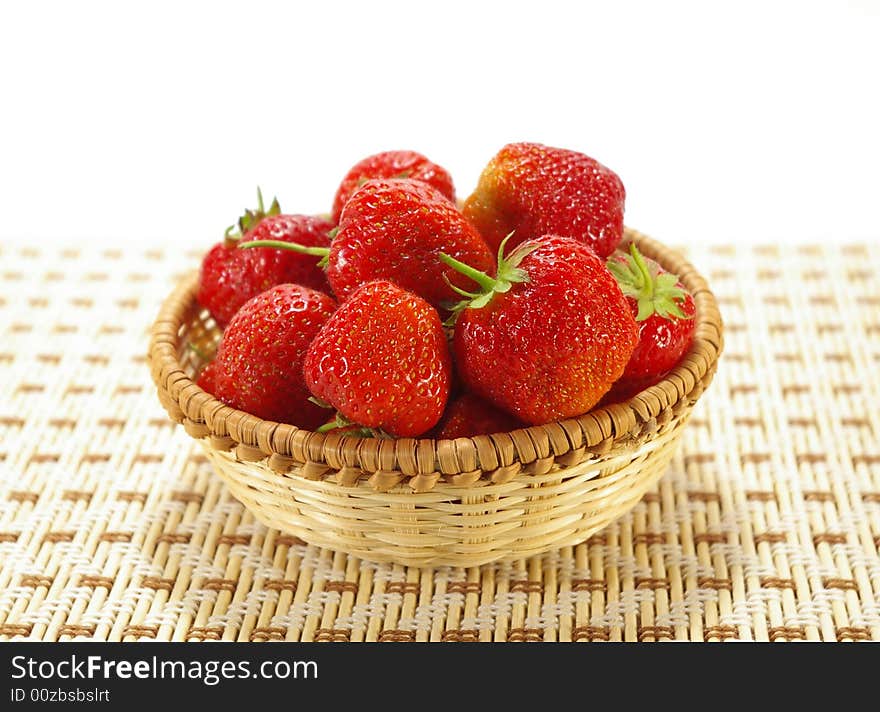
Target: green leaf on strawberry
{"x": 507, "y": 274}
{"x": 655, "y": 291}
{"x": 664, "y": 311}
{"x": 250, "y": 219}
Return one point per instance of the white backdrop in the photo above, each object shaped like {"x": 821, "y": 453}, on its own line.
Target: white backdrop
{"x": 155, "y": 122}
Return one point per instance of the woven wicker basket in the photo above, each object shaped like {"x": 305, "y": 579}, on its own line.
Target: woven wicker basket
{"x": 461, "y": 502}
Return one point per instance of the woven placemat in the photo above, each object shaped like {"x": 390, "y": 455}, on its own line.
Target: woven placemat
{"x": 766, "y": 526}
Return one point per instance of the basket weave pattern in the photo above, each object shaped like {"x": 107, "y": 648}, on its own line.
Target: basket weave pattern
{"x": 462, "y": 502}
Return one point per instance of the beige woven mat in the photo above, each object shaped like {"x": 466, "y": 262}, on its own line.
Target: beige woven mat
{"x": 766, "y": 527}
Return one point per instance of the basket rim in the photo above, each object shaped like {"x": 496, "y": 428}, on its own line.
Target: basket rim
{"x": 599, "y": 430}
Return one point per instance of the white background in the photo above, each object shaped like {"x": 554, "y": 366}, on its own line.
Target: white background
{"x": 155, "y": 122}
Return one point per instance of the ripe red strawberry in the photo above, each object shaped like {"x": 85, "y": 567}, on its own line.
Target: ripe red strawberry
{"x": 392, "y": 164}
{"x": 396, "y": 230}
{"x": 532, "y": 190}
{"x": 258, "y": 367}
{"x": 664, "y": 311}
{"x": 548, "y": 336}
{"x": 382, "y": 361}
{"x": 470, "y": 415}
{"x": 229, "y": 277}
{"x": 207, "y": 378}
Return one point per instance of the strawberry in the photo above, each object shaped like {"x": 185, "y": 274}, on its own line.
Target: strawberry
{"x": 470, "y": 415}
{"x": 207, "y": 378}
{"x": 392, "y": 164}
{"x": 230, "y": 277}
{"x": 664, "y": 311}
{"x": 382, "y": 361}
{"x": 531, "y": 190}
{"x": 547, "y": 337}
{"x": 258, "y": 367}
{"x": 395, "y": 230}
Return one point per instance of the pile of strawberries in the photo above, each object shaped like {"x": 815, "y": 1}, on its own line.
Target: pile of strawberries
{"x": 402, "y": 314}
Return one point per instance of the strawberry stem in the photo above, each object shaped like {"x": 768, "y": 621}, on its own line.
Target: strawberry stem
{"x": 291, "y": 246}
{"x": 508, "y": 274}
{"x": 327, "y": 427}
{"x": 340, "y": 421}
{"x": 481, "y": 278}
{"x": 644, "y": 272}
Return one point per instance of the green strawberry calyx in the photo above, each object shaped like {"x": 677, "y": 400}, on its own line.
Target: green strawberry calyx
{"x": 250, "y": 219}
{"x": 655, "y": 291}
{"x": 508, "y": 273}
{"x": 340, "y": 421}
